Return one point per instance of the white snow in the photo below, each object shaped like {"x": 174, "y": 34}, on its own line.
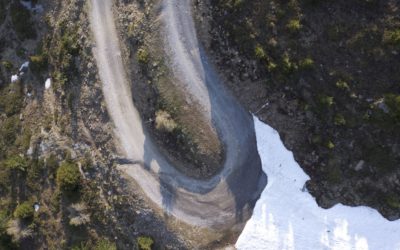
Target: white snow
{"x": 14, "y": 78}
{"x": 47, "y": 84}
{"x": 24, "y": 66}
{"x": 285, "y": 217}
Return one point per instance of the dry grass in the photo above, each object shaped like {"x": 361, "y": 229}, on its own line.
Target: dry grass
{"x": 164, "y": 122}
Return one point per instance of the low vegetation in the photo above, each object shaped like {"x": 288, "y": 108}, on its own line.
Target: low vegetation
{"x": 145, "y": 243}
{"x": 68, "y": 177}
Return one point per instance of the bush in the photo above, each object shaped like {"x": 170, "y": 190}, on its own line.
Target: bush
{"x": 306, "y": 63}
{"x": 342, "y": 85}
{"x": 143, "y": 56}
{"x": 105, "y": 245}
{"x": 326, "y": 101}
{"x": 288, "y": 66}
{"x": 24, "y": 211}
{"x": 145, "y": 243}
{"x": 68, "y": 176}
{"x": 17, "y": 162}
{"x": 294, "y": 25}
{"x": 259, "y": 52}
{"x": 339, "y": 120}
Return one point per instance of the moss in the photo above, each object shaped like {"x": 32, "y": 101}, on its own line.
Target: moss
{"x": 326, "y": 101}
{"x": 145, "y": 243}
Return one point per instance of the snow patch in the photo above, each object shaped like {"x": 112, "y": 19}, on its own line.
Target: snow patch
{"x": 285, "y": 217}
{"x": 24, "y": 66}
{"x": 47, "y": 84}
{"x": 14, "y": 78}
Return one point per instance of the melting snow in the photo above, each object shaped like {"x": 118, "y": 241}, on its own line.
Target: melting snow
{"x": 285, "y": 217}
{"x": 14, "y": 78}
{"x": 24, "y": 66}
{"x": 47, "y": 84}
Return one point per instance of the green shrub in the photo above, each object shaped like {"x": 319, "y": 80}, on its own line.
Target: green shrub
{"x": 68, "y": 176}
{"x": 145, "y": 243}
{"x": 306, "y": 64}
{"x": 326, "y": 101}
{"x": 339, "y": 120}
{"x": 24, "y": 211}
{"x": 17, "y": 162}
{"x": 287, "y": 65}
{"x": 330, "y": 145}
{"x": 294, "y": 25}
{"x": 342, "y": 85}
{"x": 143, "y": 56}
{"x": 259, "y": 52}
{"x": 105, "y": 245}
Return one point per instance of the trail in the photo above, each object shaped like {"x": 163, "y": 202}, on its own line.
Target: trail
{"x": 224, "y": 200}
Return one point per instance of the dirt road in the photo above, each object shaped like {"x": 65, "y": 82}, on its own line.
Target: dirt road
{"x": 224, "y": 200}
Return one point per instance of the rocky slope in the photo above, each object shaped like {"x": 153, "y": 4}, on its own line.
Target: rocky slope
{"x": 325, "y": 75}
